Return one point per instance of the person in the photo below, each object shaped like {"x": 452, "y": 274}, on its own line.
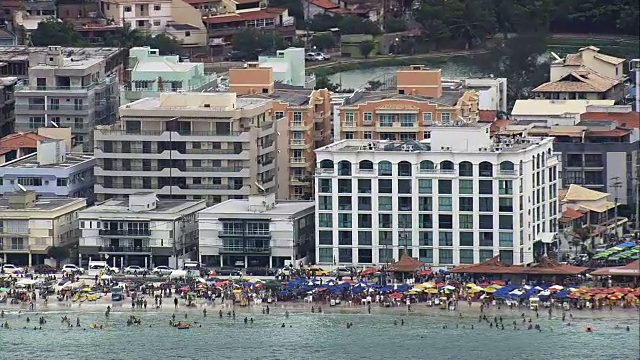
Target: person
{"x": 283, "y": 325}
{"x": 204, "y": 312}
{"x": 220, "y": 313}
{"x": 175, "y": 303}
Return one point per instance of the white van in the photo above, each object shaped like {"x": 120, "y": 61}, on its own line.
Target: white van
{"x": 95, "y": 267}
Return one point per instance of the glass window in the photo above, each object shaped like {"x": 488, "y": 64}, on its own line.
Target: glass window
{"x": 444, "y": 187}
{"x": 364, "y": 238}
{"x": 385, "y": 120}
{"x": 344, "y": 186}
{"x": 325, "y": 237}
{"x": 466, "y": 256}
{"x": 364, "y": 203}
{"x": 344, "y": 202}
{"x": 385, "y": 221}
{"x": 445, "y": 238}
{"x": 385, "y": 168}
{"x": 446, "y": 256}
{"x": 465, "y": 186}
{"x": 425, "y": 238}
{"x": 465, "y": 203}
{"x": 404, "y": 203}
{"x": 425, "y": 186}
{"x": 444, "y": 204}
{"x": 505, "y": 239}
{"x": 364, "y": 186}
{"x": 466, "y": 221}
{"x": 324, "y": 185}
{"x": 485, "y": 204}
{"x": 367, "y": 117}
{"x": 385, "y": 186}
{"x": 486, "y": 222}
{"x": 345, "y": 255}
{"x": 404, "y": 186}
{"x": 325, "y": 220}
{"x": 427, "y": 118}
{"x": 365, "y": 256}
{"x": 385, "y": 237}
{"x": 385, "y": 203}
{"x": 385, "y": 255}
{"x": 485, "y": 187}
{"x": 445, "y": 221}
{"x": 466, "y": 238}
{"x": 425, "y": 221}
{"x": 425, "y": 203}
{"x": 465, "y": 168}
{"x": 505, "y": 222}
{"x": 344, "y": 220}
{"x": 324, "y": 203}
{"x": 505, "y": 187}
{"x": 405, "y": 221}
{"x": 407, "y": 120}
{"x": 344, "y": 237}
{"x": 505, "y": 204}
{"x": 365, "y": 221}
{"x": 485, "y": 254}
{"x": 325, "y": 255}
{"x": 486, "y": 238}
{"x": 426, "y": 255}
{"x": 506, "y": 257}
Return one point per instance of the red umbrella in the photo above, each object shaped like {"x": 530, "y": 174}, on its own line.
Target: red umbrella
{"x": 369, "y": 271}
{"x": 439, "y": 284}
{"x": 396, "y": 295}
{"x": 484, "y": 284}
{"x": 425, "y": 272}
{"x": 499, "y": 282}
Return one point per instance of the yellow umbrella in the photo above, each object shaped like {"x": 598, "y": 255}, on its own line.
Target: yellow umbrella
{"x": 475, "y": 289}
{"x": 490, "y": 290}
{"x": 413, "y": 292}
{"x": 429, "y": 284}
{"x": 419, "y": 286}
{"x": 495, "y": 286}
{"x": 471, "y": 285}
{"x": 431, "y": 291}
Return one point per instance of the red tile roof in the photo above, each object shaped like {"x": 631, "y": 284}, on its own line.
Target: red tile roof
{"x": 629, "y": 120}
{"x": 20, "y": 140}
{"x": 347, "y": 11}
{"x": 406, "y": 264}
{"x": 572, "y": 214}
{"x": 486, "y": 116}
{"x": 270, "y": 13}
{"x": 631, "y": 269}
{"x": 323, "y": 4}
{"x": 546, "y": 266}
{"x": 194, "y": 2}
{"x": 245, "y": 1}
{"x": 609, "y": 133}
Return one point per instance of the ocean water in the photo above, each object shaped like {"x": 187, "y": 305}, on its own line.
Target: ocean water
{"x": 318, "y": 336}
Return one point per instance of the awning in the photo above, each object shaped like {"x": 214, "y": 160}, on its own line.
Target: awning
{"x": 546, "y": 237}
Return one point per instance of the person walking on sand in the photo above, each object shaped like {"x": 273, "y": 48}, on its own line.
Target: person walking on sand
{"x": 175, "y": 303}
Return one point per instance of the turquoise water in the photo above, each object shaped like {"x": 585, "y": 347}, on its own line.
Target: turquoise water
{"x": 318, "y": 336}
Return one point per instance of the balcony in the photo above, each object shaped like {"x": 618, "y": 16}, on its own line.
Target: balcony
{"x": 300, "y": 180}
{"x": 213, "y": 151}
{"x": 348, "y": 124}
{"x": 300, "y": 126}
{"x": 298, "y": 162}
{"x": 124, "y": 249}
{"x": 507, "y": 173}
{"x": 24, "y": 86}
{"x": 212, "y": 169}
{"x": 320, "y": 171}
{"x": 52, "y": 109}
{"x": 299, "y": 144}
{"x": 231, "y": 30}
{"x": 119, "y": 232}
{"x": 213, "y": 187}
{"x": 245, "y": 250}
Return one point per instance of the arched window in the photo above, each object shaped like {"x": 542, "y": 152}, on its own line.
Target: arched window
{"x": 344, "y": 168}
{"x": 465, "y": 168}
{"x": 404, "y": 168}
{"x": 326, "y": 164}
{"x": 385, "y": 168}
{"x": 507, "y": 168}
{"x": 486, "y": 169}
{"x": 366, "y": 165}
{"x": 427, "y": 166}
{"x": 446, "y": 166}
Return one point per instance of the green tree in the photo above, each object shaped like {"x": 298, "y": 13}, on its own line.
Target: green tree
{"x": 373, "y": 85}
{"x": 356, "y": 25}
{"x": 323, "y": 41}
{"x": 323, "y": 82}
{"x": 55, "y": 32}
{"x": 322, "y": 22}
{"x": 165, "y": 44}
{"x": 393, "y": 25}
{"x": 253, "y": 42}
{"x": 366, "y": 47}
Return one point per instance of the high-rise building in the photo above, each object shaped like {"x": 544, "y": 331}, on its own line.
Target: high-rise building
{"x": 210, "y": 146}
{"x": 7, "y": 105}
{"x": 460, "y": 197}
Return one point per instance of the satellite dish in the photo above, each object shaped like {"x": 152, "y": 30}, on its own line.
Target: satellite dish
{"x": 260, "y": 187}
{"x": 22, "y": 188}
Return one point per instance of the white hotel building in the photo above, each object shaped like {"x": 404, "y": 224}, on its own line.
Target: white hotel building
{"x": 460, "y": 197}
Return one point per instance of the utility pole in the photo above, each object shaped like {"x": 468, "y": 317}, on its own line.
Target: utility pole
{"x": 616, "y": 185}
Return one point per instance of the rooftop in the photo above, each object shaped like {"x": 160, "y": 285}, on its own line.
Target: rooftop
{"x": 179, "y": 26}
{"x": 21, "y": 53}
{"x": 579, "y": 193}
{"x": 39, "y": 5}
{"x": 324, "y": 4}
{"x": 626, "y": 120}
{"x": 41, "y": 204}
{"x": 31, "y": 161}
{"x": 161, "y": 64}
{"x": 71, "y": 63}
{"x": 20, "y": 140}
{"x": 163, "y": 206}
{"x": 197, "y": 101}
{"x": 554, "y": 107}
{"x": 580, "y": 80}
{"x": 448, "y": 98}
{"x": 241, "y": 207}
{"x": 577, "y": 60}
{"x": 268, "y": 13}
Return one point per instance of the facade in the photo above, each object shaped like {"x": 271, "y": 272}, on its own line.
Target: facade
{"x": 7, "y": 37}
{"x": 32, "y": 226}
{"x": 51, "y": 172}
{"x": 460, "y": 197}
{"x": 406, "y": 113}
{"x": 288, "y": 67}
{"x": 371, "y": 10}
{"x": 492, "y": 92}
{"x": 303, "y": 124}
{"x": 140, "y": 230}
{"x": 150, "y": 74}
{"x": 256, "y": 232}
{"x": 210, "y": 146}
{"x": 207, "y": 7}
{"x": 150, "y": 16}
{"x": 72, "y": 92}
{"x": 553, "y": 112}
{"x": 7, "y": 105}
{"x": 248, "y": 14}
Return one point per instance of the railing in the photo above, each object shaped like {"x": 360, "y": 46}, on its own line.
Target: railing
{"x": 51, "y": 107}
{"x": 267, "y": 126}
{"x": 211, "y": 151}
{"x": 508, "y": 172}
{"x": 437, "y": 171}
{"x": 213, "y": 169}
{"x": 25, "y": 86}
{"x": 325, "y": 171}
{"x": 245, "y": 250}
{"x": 297, "y": 142}
{"x": 296, "y": 160}
{"x": 118, "y": 232}
{"x": 298, "y": 126}
{"x": 160, "y": 132}
{"x": 125, "y": 249}
{"x": 213, "y": 187}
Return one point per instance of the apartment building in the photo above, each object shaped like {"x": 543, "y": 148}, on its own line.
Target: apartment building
{"x": 406, "y": 113}
{"x": 459, "y": 197}
{"x": 7, "y": 105}
{"x": 303, "y": 124}
{"x": 140, "y": 230}
{"x": 553, "y": 112}
{"x": 51, "y": 172}
{"x": 151, "y": 73}
{"x": 31, "y": 226}
{"x": 210, "y": 146}
{"x": 288, "y": 67}
{"x": 73, "y": 92}
{"x": 237, "y": 15}
{"x": 256, "y": 232}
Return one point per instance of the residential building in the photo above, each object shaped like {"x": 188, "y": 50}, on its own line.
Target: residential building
{"x": 8, "y": 9}
{"x": 32, "y": 13}
{"x": 140, "y": 230}
{"x": 623, "y": 115}
{"x": 407, "y": 113}
{"x": 51, "y": 172}
{"x": 222, "y": 27}
{"x": 190, "y": 33}
{"x": 87, "y": 19}
{"x": 587, "y": 75}
{"x": 7, "y": 37}
{"x": 256, "y": 232}
{"x": 303, "y": 125}
{"x": 210, "y": 146}
{"x": 207, "y": 7}
{"x": 72, "y": 92}
{"x": 21, "y": 144}
{"x": 598, "y": 155}
{"x": 492, "y": 92}
{"x": 371, "y": 10}
{"x": 553, "y": 112}
{"x": 7, "y": 105}
{"x": 288, "y": 68}
{"x": 31, "y": 226}
{"x": 460, "y": 197}
{"x": 150, "y": 74}
{"x": 589, "y": 216}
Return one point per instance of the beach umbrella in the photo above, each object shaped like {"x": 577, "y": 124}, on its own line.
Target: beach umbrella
{"x": 4, "y": 289}
{"x": 556, "y": 287}
{"x": 490, "y": 290}
{"x": 449, "y": 287}
{"x": 430, "y": 284}
{"x": 475, "y": 289}
{"x": 413, "y": 292}
{"x": 431, "y": 291}
{"x": 471, "y": 285}
{"x": 396, "y": 295}
{"x": 499, "y": 282}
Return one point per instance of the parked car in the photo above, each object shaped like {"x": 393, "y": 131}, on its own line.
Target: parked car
{"x": 313, "y": 57}
{"x": 341, "y": 271}
{"x": 73, "y": 269}
{"x": 162, "y": 270}
{"x": 12, "y": 269}
{"x": 134, "y": 269}
{"x": 318, "y": 271}
{"x": 44, "y": 269}
{"x": 225, "y": 271}
{"x": 323, "y": 56}
{"x": 259, "y": 271}
{"x": 235, "y": 56}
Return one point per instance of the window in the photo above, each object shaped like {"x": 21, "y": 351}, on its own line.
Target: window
{"x": 385, "y": 203}
{"x": 127, "y": 9}
{"x": 445, "y": 238}
{"x": 407, "y": 120}
{"x": 465, "y": 186}
{"x": 188, "y": 33}
{"x": 485, "y": 187}
{"x": 364, "y": 203}
{"x": 466, "y": 238}
{"x": 466, "y": 256}
{"x": 368, "y": 135}
{"x": 344, "y": 202}
{"x": 385, "y": 255}
{"x": 444, "y": 187}
{"x": 505, "y": 204}
{"x": 506, "y": 257}
{"x": 364, "y": 186}
{"x": 349, "y": 119}
{"x": 30, "y": 181}
{"x": 325, "y": 220}
{"x": 344, "y": 168}
{"x": 426, "y": 255}
{"x": 36, "y": 122}
{"x": 364, "y": 238}
{"x": 505, "y": 187}
{"x": 279, "y": 115}
{"x": 505, "y": 239}
{"x": 385, "y": 168}
{"x": 445, "y": 117}
{"x": 465, "y": 168}
{"x": 505, "y": 222}
{"x": 61, "y": 181}
{"x": 365, "y": 221}
{"x": 385, "y": 221}
{"x": 425, "y": 221}
{"x": 425, "y": 186}
{"x": 485, "y": 204}
{"x": 385, "y": 237}
{"x": 258, "y": 228}
{"x": 465, "y": 203}
{"x": 427, "y": 166}
{"x": 445, "y": 221}
{"x": 324, "y": 185}
{"x": 365, "y": 256}
{"x": 486, "y": 239}
{"x": 427, "y": 118}
{"x": 425, "y": 203}
{"x": 446, "y": 256}
{"x": 425, "y": 238}
{"x": 325, "y": 237}
{"x": 385, "y": 186}
{"x": 157, "y": 7}
{"x": 344, "y": 186}
{"x": 404, "y": 168}
{"x": 466, "y": 221}
{"x": 404, "y": 203}
{"x": 344, "y": 220}
{"x": 385, "y": 120}
{"x": 344, "y": 237}
{"x": 367, "y": 117}
{"x": 325, "y": 255}
{"x": 345, "y": 255}
{"x": 404, "y": 186}
{"x": 156, "y": 22}
{"x": 444, "y": 204}
{"x": 486, "y": 222}
{"x": 485, "y": 254}
{"x": 324, "y": 203}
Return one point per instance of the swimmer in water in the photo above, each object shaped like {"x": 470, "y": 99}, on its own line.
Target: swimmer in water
{"x": 283, "y": 325}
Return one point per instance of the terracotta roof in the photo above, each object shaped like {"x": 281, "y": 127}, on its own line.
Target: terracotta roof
{"x": 548, "y": 266}
{"x": 579, "y": 193}
{"x": 628, "y": 120}
{"x": 609, "y": 133}
{"x": 245, "y": 1}
{"x": 490, "y": 266}
{"x": 347, "y": 11}
{"x": 406, "y": 264}
{"x": 609, "y": 59}
{"x": 323, "y": 4}
{"x": 499, "y": 125}
{"x": 486, "y": 116}
{"x": 571, "y": 214}
{"x": 631, "y": 269}
{"x": 545, "y": 266}
{"x": 562, "y": 193}
{"x": 573, "y": 60}
{"x": 244, "y": 16}
{"x": 20, "y": 140}
{"x": 580, "y": 80}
